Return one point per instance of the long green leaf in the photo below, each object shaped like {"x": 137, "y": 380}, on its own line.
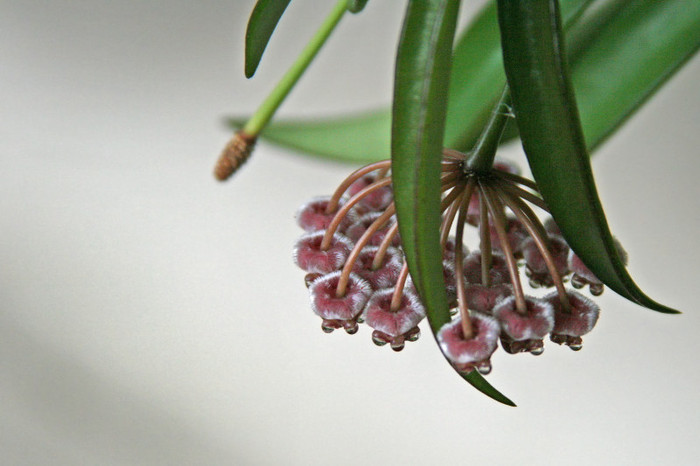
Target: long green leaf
{"x": 553, "y": 140}
{"x": 263, "y": 20}
{"x": 418, "y": 123}
{"x": 420, "y": 97}
{"x": 633, "y": 53}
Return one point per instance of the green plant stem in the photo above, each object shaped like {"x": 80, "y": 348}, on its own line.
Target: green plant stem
{"x": 480, "y": 159}
{"x": 267, "y": 109}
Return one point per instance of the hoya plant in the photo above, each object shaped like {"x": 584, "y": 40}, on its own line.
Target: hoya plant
{"x": 387, "y": 248}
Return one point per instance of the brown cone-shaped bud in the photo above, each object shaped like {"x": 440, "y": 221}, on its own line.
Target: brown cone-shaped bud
{"x": 234, "y": 155}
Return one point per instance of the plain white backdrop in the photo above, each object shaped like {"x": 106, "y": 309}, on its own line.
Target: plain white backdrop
{"x": 149, "y": 315}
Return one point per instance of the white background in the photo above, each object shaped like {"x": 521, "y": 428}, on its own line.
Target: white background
{"x": 149, "y": 315}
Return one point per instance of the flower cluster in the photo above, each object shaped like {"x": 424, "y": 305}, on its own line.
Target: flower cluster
{"x": 356, "y": 272}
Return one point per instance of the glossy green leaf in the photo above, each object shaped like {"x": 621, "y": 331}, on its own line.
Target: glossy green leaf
{"x": 553, "y": 140}
{"x": 263, "y": 20}
{"x": 356, "y": 6}
{"x": 418, "y": 119}
{"x": 420, "y": 97}
{"x": 637, "y": 47}
{"x": 477, "y": 381}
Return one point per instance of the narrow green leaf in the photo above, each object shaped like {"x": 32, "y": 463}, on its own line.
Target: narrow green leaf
{"x": 477, "y": 381}
{"x": 418, "y": 124}
{"x": 356, "y": 6}
{"x": 263, "y": 20}
{"x": 418, "y": 118}
{"x": 553, "y": 140}
{"x": 632, "y": 54}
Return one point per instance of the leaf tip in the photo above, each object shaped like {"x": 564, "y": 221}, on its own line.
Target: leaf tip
{"x": 667, "y": 310}
{"x": 250, "y": 63}
{"x": 477, "y": 381}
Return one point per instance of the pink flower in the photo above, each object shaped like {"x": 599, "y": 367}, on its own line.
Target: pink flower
{"x": 472, "y": 353}
{"x": 484, "y": 298}
{"x": 393, "y": 326}
{"x": 309, "y": 256}
{"x": 388, "y": 272}
{"x": 375, "y": 201}
{"x": 312, "y": 216}
{"x": 337, "y": 310}
{"x": 498, "y": 272}
{"x": 537, "y": 269}
{"x": 516, "y": 233}
{"x": 527, "y": 329}
{"x": 354, "y": 277}
{"x": 357, "y": 229}
{"x": 579, "y": 320}
{"x": 582, "y": 276}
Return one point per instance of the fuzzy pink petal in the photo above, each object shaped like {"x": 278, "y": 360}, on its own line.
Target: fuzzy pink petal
{"x": 309, "y": 257}
{"x": 379, "y": 316}
{"x": 498, "y": 272}
{"x": 516, "y": 234}
{"x": 375, "y": 201}
{"x": 386, "y": 275}
{"x": 326, "y": 304}
{"x": 474, "y": 350}
{"x": 580, "y": 320}
{"x": 537, "y": 322}
{"x": 357, "y": 229}
{"x": 312, "y": 216}
{"x": 484, "y": 298}
{"x": 537, "y": 268}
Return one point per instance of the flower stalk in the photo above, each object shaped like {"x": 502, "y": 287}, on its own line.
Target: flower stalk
{"x": 239, "y": 148}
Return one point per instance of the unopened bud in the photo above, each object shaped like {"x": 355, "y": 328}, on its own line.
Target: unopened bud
{"x": 234, "y": 155}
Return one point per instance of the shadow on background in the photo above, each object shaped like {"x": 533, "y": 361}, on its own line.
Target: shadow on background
{"x": 81, "y": 411}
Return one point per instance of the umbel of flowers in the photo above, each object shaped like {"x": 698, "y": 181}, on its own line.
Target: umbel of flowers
{"x": 356, "y": 272}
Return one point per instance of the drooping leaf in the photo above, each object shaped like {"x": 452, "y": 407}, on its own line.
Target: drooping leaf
{"x": 477, "y": 381}
{"x": 553, "y": 140}
{"x": 634, "y": 51}
{"x": 356, "y": 6}
{"x": 418, "y": 118}
{"x": 418, "y": 123}
{"x": 263, "y": 20}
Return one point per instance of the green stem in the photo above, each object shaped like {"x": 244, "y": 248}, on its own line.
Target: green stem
{"x": 267, "y": 109}
{"x": 480, "y": 159}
